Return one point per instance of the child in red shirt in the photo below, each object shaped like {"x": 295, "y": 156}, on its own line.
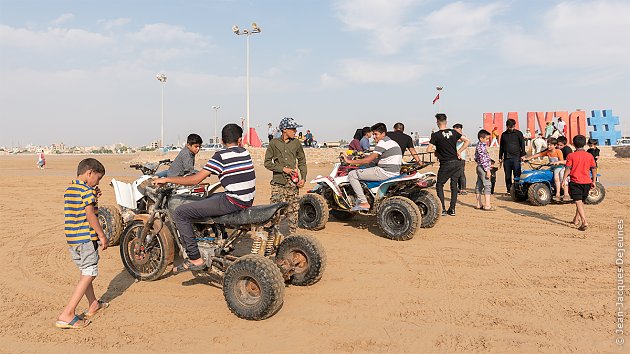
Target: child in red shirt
{"x": 578, "y": 165}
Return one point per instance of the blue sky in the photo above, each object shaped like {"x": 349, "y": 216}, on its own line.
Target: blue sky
{"x": 83, "y": 72}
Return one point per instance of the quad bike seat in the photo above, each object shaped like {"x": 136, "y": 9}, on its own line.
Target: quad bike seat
{"x": 373, "y": 184}
{"x": 253, "y": 215}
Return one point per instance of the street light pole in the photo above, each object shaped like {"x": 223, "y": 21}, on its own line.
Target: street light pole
{"x": 162, "y": 78}
{"x": 247, "y": 33}
{"x": 439, "y": 90}
{"x": 216, "y": 117}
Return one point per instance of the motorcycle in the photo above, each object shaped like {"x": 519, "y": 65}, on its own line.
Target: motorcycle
{"x": 253, "y": 269}
{"x": 401, "y": 203}
{"x": 131, "y": 200}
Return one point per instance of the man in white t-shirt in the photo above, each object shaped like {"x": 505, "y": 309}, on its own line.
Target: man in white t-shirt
{"x": 389, "y": 156}
{"x": 562, "y": 126}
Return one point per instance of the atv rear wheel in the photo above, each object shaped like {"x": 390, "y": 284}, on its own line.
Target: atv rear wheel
{"x": 517, "y": 196}
{"x": 539, "y": 194}
{"x": 596, "y": 194}
{"x": 399, "y": 218}
{"x": 313, "y": 212}
{"x": 429, "y": 208}
{"x": 302, "y": 259}
{"x": 342, "y": 215}
{"x": 111, "y": 222}
{"x": 143, "y": 262}
{"x": 253, "y": 287}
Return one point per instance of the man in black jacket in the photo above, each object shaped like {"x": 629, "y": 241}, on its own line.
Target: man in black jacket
{"x": 511, "y": 149}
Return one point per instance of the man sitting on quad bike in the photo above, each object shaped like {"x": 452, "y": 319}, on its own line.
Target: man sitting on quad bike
{"x": 389, "y": 156}
{"x": 184, "y": 163}
{"x": 235, "y": 169}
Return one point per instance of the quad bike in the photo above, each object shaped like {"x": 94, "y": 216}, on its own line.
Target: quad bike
{"x": 253, "y": 269}
{"x": 401, "y": 203}
{"x": 537, "y": 186}
{"x": 131, "y": 200}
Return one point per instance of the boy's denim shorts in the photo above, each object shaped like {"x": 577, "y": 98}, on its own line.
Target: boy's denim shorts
{"x": 85, "y": 256}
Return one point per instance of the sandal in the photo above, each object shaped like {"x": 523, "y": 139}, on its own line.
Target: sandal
{"x": 76, "y": 323}
{"x": 359, "y": 208}
{"x": 489, "y": 209}
{"x": 102, "y": 305}
{"x": 186, "y": 266}
{"x": 583, "y": 227}
{"x": 478, "y": 207}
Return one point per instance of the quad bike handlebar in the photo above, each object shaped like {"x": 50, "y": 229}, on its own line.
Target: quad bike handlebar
{"x": 150, "y": 168}
{"x": 538, "y": 166}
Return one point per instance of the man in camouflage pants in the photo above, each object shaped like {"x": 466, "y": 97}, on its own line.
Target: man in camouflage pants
{"x": 280, "y": 158}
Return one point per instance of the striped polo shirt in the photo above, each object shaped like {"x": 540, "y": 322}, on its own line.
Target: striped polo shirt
{"x": 77, "y": 228}
{"x": 390, "y": 157}
{"x": 235, "y": 169}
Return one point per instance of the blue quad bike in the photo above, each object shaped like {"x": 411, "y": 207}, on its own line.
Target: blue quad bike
{"x": 537, "y": 186}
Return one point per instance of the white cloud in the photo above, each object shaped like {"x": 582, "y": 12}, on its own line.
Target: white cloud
{"x": 110, "y": 24}
{"x": 162, "y": 32}
{"x": 51, "y": 39}
{"x": 460, "y": 21}
{"x": 383, "y": 21}
{"x": 359, "y": 71}
{"x": 587, "y": 35}
{"x": 63, "y": 18}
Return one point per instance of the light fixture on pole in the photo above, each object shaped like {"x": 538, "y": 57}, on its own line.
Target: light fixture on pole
{"x": 216, "y": 117}
{"x": 439, "y": 90}
{"x": 247, "y": 33}
{"x": 162, "y": 78}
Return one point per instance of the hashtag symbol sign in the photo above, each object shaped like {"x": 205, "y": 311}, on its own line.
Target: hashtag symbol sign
{"x": 603, "y": 123}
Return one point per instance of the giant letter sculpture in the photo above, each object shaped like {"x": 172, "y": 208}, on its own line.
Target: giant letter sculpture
{"x": 604, "y": 127}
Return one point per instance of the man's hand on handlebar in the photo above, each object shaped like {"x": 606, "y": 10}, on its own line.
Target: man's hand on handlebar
{"x": 158, "y": 181}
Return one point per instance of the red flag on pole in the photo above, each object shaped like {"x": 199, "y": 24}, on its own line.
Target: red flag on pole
{"x": 436, "y": 98}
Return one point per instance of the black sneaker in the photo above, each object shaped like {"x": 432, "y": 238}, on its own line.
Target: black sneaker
{"x": 443, "y": 212}
{"x": 451, "y": 212}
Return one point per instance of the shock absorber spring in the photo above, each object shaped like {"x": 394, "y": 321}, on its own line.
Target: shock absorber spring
{"x": 259, "y": 242}
{"x": 269, "y": 247}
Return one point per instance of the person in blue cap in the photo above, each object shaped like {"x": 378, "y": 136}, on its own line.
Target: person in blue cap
{"x": 285, "y": 158}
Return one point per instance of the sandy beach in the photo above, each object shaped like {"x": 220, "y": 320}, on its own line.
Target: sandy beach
{"x": 520, "y": 280}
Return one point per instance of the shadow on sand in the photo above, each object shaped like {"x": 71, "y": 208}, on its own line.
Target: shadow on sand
{"x": 121, "y": 282}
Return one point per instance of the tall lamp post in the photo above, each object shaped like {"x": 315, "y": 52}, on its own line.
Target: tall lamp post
{"x": 162, "y": 78}
{"x": 439, "y": 90}
{"x": 247, "y": 33}
{"x": 216, "y": 117}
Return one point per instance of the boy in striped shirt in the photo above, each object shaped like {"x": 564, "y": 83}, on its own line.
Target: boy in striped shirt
{"x": 235, "y": 169}
{"x": 83, "y": 232}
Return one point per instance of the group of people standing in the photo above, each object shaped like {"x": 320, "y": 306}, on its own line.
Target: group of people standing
{"x": 307, "y": 138}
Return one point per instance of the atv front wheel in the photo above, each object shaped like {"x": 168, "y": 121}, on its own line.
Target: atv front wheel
{"x": 302, "y": 259}
{"x": 539, "y": 194}
{"x": 399, "y": 218}
{"x": 143, "y": 262}
{"x": 596, "y": 194}
{"x": 313, "y": 212}
{"x": 111, "y": 222}
{"x": 429, "y": 208}
{"x": 253, "y": 287}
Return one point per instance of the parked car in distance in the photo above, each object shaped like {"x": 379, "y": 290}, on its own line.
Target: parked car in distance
{"x": 211, "y": 147}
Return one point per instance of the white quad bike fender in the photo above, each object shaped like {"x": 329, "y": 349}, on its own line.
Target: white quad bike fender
{"x": 380, "y": 190}
{"x": 127, "y": 194}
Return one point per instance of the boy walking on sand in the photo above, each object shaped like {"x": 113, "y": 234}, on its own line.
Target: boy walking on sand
{"x": 280, "y": 158}
{"x": 578, "y": 166}
{"x": 83, "y": 233}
